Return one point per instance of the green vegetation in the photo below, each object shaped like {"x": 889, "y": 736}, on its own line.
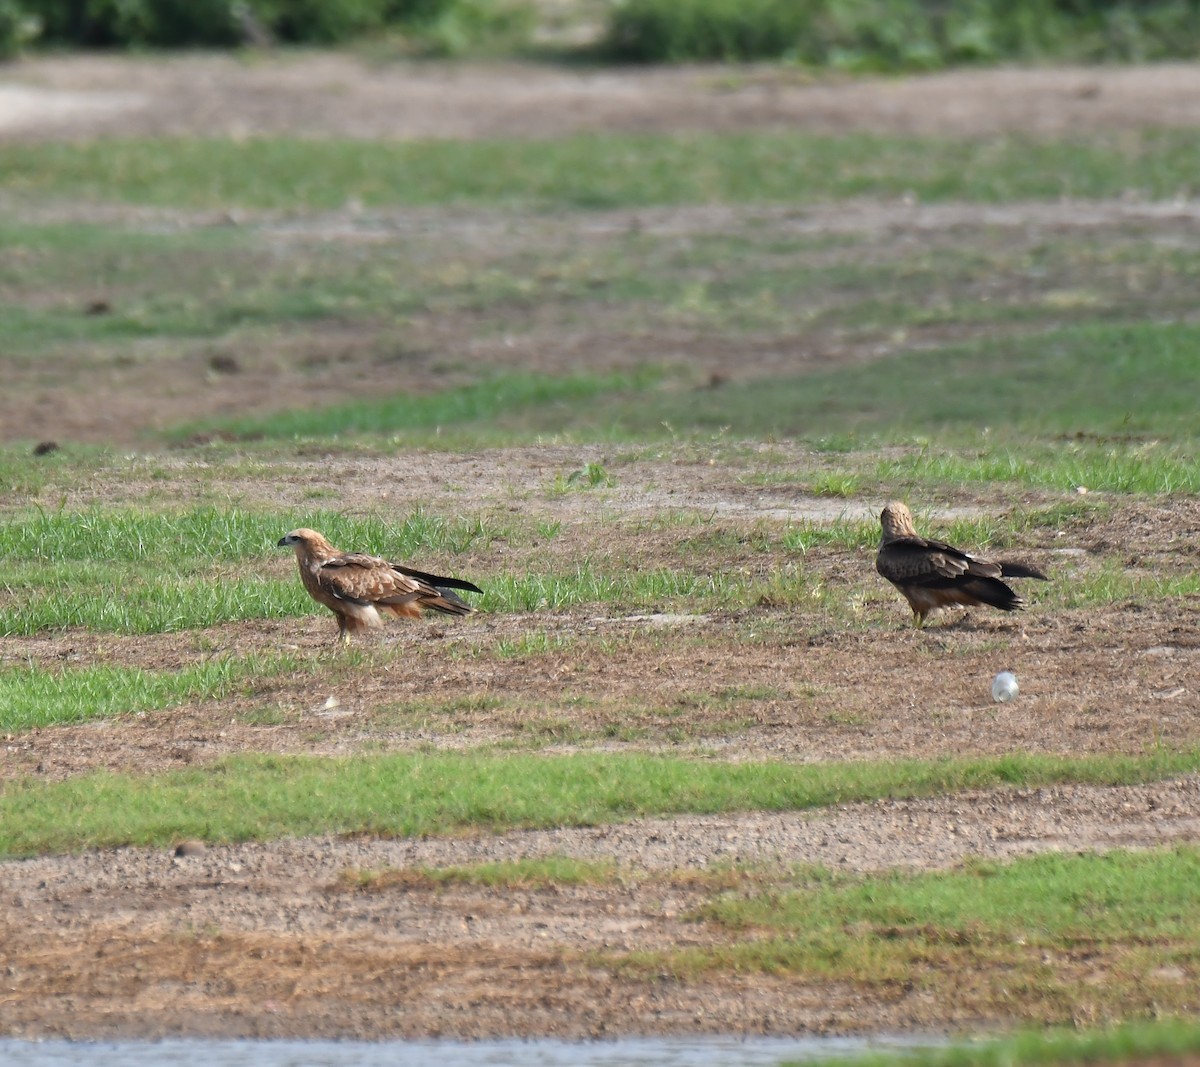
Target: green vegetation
{"x": 256, "y": 288}
{"x": 56, "y": 596}
{"x": 1043, "y": 902}
{"x": 843, "y": 34}
{"x": 602, "y": 171}
{"x": 900, "y": 34}
{"x": 1112, "y": 1044}
{"x": 174, "y": 570}
{"x": 205, "y": 535}
{"x": 263, "y": 797}
{"x": 17, "y": 29}
{"x": 33, "y": 697}
{"x": 431, "y": 26}
{"x": 498, "y": 408}
{"x": 1082, "y": 382}
{"x": 193, "y": 569}
{"x": 1101, "y": 380}
{"x": 1016, "y": 928}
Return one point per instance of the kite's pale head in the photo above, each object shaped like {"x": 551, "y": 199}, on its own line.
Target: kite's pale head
{"x": 897, "y": 521}
{"x": 304, "y": 540}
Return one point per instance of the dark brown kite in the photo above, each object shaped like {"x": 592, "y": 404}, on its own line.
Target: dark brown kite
{"x": 934, "y": 575}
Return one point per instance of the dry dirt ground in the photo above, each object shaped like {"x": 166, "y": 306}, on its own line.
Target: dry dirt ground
{"x": 266, "y": 939}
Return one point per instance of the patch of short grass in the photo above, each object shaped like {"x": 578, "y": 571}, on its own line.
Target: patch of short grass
{"x": 197, "y": 568}
{"x": 58, "y": 596}
{"x": 1089, "y": 380}
{"x": 989, "y": 938}
{"x": 1126, "y": 1043}
{"x": 535, "y": 643}
{"x": 601, "y": 170}
{"x": 32, "y": 696}
{"x": 265, "y": 797}
{"x": 1112, "y": 583}
{"x": 208, "y": 534}
{"x": 131, "y": 599}
{"x": 1099, "y": 406}
{"x": 136, "y": 284}
{"x": 1047, "y": 899}
{"x": 495, "y": 406}
{"x": 140, "y": 571}
{"x": 25, "y": 476}
{"x": 1109, "y": 463}
{"x": 201, "y": 567}
{"x": 178, "y": 293}
{"x": 1083, "y": 463}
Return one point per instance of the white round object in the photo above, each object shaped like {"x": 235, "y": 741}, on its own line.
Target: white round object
{"x": 1004, "y": 687}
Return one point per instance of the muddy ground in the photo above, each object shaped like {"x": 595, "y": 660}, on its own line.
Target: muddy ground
{"x": 267, "y": 940}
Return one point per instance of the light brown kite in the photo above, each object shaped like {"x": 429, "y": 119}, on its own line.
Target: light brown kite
{"x": 361, "y": 590}
{"x": 933, "y": 574}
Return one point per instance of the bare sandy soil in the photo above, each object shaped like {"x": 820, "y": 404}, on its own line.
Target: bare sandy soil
{"x": 315, "y": 95}
{"x": 270, "y": 940}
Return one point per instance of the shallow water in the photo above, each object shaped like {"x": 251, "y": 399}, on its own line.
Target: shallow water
{"x": 627, "y": 1052}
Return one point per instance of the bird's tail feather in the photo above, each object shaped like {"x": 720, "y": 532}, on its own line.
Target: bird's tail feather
{"x": 994, "y": 593}
{"x": 439, "y": 583}
{"x": 449, "y": 603}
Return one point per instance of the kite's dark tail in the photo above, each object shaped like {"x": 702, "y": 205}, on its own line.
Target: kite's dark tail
{"x": 439, "y": 583}
{"x": 993, "y": 592}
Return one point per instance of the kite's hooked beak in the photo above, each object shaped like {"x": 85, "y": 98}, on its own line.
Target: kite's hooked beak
{"x": 283, "y": 542}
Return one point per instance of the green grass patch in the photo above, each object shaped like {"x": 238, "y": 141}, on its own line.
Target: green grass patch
{"x": 205, "y": 566}
{"x": 265, "y": 797}
{"x": 194, "y": 282}
{"x": 164, "y": 293}
{"x": 207, "y": 535}
{"x": 194, "y": 569}
{"x": 1104, "y": 379}
{"x": 1114, "y": 464}
{"x": 988, "y": 936}
{"x": 1130, "y": 1042}
{"x": 24, "y": 477}
{"x": 1045, "y": 900}
{"x": 1109, "y": 408}
{"x": 137, "y": 571}
{"x": 495, "y": 408}
{"x": 124, "y": 598}
{"x": 1112, "y": 583}
{"x": 899, "y": 35}
{"x": 32, "y": 696}
{"x": 993, "y": 531}
{"x": 608, "y": 170}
